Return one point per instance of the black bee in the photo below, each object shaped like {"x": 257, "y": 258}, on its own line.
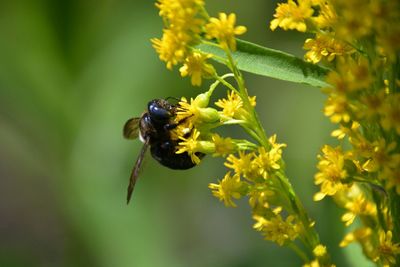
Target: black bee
{"x": 154, "y": 130}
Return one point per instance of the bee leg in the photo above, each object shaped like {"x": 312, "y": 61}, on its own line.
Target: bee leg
{"x": 170, "y": 126}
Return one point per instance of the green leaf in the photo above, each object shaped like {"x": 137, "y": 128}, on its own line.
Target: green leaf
{"x": 271, "y": 63}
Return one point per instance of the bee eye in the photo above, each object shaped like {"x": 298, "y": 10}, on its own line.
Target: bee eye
{"x": 157, "y": 112}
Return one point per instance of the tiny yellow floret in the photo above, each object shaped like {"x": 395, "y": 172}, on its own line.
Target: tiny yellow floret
{"x": 223, "y": 29}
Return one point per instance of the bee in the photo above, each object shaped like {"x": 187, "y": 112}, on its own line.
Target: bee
{"x": 154, "y": 128}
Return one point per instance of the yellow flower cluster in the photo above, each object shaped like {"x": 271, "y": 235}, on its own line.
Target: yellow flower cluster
{"x": 255, "y": 170}
{"x": 187, "y": 24}
{"x": 277, "y": 229}
{"x": 360, "y": 42}
{"x": 257, "y": 175}
{"x": 195, "y": 121}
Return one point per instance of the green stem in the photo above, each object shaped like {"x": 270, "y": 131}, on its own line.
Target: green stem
{"x": 311, "y": 237}
{"x": 246, "y": 102}
{"x": 299, "y": 252}
{"x": 221, "y": 80}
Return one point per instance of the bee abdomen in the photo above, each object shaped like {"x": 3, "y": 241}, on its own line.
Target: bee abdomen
{"x": 165, "y": 154}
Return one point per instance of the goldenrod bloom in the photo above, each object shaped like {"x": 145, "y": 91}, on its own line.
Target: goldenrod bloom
{"x": 352, "y": 25}
{"x": 338, "y": 108}
{"x": 197, "y": 111}
{"x": 327, "y": 16}
{"x": 259, "y": 195}
{"x": 231, "y": 106}
{"x": 380, "y": 156}
{"x": 361, "y": 235}
{"x": 171, "y": 48}
{"x": 391, "y": 173}
{"x": 267, "y": 161}
{"x": 359, "y": 206}
{"x": 292, "y": 16}
{"x": 331, "y": 172}
{"x": 192, "y": 145}
{"x": 182, "y": 29}
{"x": 324, "y": 46}
{"x": 391, "y": 113}
{"x": 223, "y": 146}
{"x": 224, "y": 30}
{"x": 230, "y": 187}
{"x": 319, "y": 251}
{"x": 387, "y": 251}
{"x": 242, "y": 165}
{"x": 196, "y": 66}
{"x": 276, "y": 228}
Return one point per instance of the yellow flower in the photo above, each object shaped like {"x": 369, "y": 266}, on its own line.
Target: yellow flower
{"x": 327, "y": 16}
{"x": 182, "y": 29}
{"x": 337, "y": 108}
{"x": 292, "y": 16}
{"x": 387, "y": 251}
{"x": 197, "y": 111}
{"x": 268, "y": 161}
{"x": 230, "y": 187}
{"x": 391, "y": 173}
{"x": 324, "y": 46}
{"x": 331, "y": 172}
{"x": 252, "y": 100}
{"x": 259, "y": 195}
{"x": 181, "y": 14}
{"x": 183, "y": 128}
{"x": 192, "y": 145}
{"x": 319, "y": 251}
{"x": 224, "y": 30}
{"x": 242, "y": 165}
{"x": 364, "y": 236}
{"x": 390, "y": 112}
{"x": 373, "y": 104}
{"x": 343, "y": 130}
{"x": 361, "y": 235}
{"x": 172, "y": 47}
{"x": 353, "y": 25}
{"x": 362, "y": 147}
{"x": 380, "y": 156}
{"x": 359, "y": 206}
{"x": 275, "y": 146}
{"x": 223, "y": 146}
{"x": 231, "y": 106}
{"x": 277, "y": 229}
{"x": 351, "y": 76}
{"x": 196, "y": 66}
{"x": 189, "y": 145}
{"x": 313, "y": 263}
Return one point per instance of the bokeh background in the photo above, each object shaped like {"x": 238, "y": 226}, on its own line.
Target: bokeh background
{"x": 71, "y": 73}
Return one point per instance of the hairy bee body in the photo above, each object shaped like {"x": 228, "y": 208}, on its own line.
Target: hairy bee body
{"x": 154, "y": 130}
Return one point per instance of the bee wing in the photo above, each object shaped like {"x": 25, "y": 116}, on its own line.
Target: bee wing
{"x": 135, "y": 170}
{"x": 131, "y": 128}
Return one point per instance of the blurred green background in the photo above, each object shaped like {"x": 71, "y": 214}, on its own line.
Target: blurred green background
{"x": 71, "y": 73}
